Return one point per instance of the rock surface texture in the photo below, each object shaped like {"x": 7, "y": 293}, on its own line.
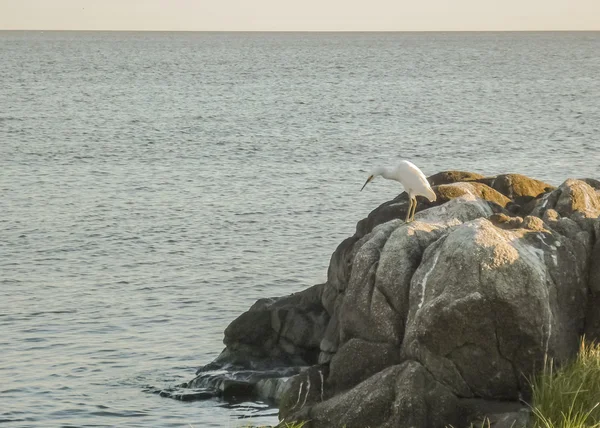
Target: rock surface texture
{"x": 431, "y": 323}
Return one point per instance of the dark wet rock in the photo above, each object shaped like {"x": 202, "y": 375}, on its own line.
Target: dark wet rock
{"x": 236, "y": 385}
{"x": 252, "y": 328}
{"x": 188, "y": 394}
{"x": 436, "y": 322}
{"x": 303, "y": 391}
{"x": 279, "y": 328}
{"x": 275, "y": 339}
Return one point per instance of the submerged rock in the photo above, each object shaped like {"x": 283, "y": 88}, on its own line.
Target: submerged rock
{"x": 436, "y": 322}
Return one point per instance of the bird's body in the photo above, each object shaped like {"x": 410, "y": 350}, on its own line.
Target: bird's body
{"x": 411, "y": 177}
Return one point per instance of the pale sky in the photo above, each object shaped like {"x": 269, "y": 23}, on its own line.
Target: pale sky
{"x": 300, "y": 15}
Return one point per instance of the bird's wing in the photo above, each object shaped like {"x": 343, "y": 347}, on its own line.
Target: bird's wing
{"x": 409, "y": 168}
{"x": 413, "y": 180}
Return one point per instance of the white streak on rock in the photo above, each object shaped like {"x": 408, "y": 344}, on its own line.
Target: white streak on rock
{"x": 307, "y": 390}
{"x": 545, "y": 200}
{"x": 549, "y": 327}
{"x": 587, "y": 202}
{"x": 536, "y": 258}
{"x": 322, "y": 382}
{"x": 299, "y": 395}
{"x": 424, "y": 282}
{"x": 551, "y": 246}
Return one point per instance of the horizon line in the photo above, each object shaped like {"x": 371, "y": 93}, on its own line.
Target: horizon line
{"x": 299, "y": 31}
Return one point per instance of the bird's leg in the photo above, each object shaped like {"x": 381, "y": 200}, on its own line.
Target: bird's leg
{"x": 407, "y": 219}
{"x": 414, "y": 208}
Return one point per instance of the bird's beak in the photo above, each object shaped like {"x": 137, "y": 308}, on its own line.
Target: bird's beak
{"x": 366, "y": 182}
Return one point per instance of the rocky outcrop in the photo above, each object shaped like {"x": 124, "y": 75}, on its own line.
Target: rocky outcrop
{"x": 431, "y": 323}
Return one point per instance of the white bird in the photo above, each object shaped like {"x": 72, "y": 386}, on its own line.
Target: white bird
{"x": 412, "y": 178}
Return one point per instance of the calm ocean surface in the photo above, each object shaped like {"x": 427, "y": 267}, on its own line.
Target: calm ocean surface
{"x": 154, "y": 185}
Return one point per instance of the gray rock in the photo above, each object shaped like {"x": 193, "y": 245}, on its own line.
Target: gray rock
{"x": 338, "y": 273}
{"x": 293, "y": 325}
{"x": 237, "y": 385}
{"x": 487, "y": 305}
{"x": 302, "y": 391}
{"x": 399, "y": 396}
{"x": 252, "y": 328}
{"x": 367, "y": 405}
{"x": 375, "y": 304}
{"x": 358, "y": 360}
{"x": 422, "y": 401}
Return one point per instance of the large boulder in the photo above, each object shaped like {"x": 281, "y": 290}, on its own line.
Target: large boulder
{"x": 369, "y": 300}
{"x": 375, "y": 302}
{"x": 487, "y": 305}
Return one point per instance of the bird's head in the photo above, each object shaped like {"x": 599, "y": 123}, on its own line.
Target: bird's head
{"x": 374, "y": 173}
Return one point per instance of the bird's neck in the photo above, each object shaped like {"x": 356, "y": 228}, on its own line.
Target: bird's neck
{"x": 386, "y": 172}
